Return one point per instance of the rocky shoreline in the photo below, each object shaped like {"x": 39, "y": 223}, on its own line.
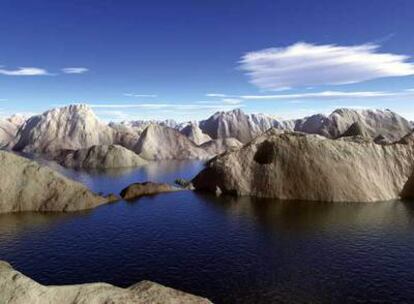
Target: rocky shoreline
{"x": 16, "y": 288}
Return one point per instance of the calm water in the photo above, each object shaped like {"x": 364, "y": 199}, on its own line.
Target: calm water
{"x": 229, "y": 250}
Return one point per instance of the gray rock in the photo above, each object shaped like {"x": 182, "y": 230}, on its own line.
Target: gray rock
{"x": 16, "y": 288}
{"x": 27, "y": 186}
{"x": 147, "y": 188}
{"x": 100, "y": 157}
{"x": 310, "y": 167}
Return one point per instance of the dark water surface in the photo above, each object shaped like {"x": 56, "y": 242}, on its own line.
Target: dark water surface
{"x": 229, "y": 250}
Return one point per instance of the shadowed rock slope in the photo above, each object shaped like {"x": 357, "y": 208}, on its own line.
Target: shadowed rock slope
{"x": 310, "y": 167}
{"x": 16, "y": 288}
{"x": 27, "y": 186}
{"x": 100, "y": 157}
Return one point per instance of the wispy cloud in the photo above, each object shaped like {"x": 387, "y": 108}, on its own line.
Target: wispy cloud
{"x": 75, "y": 70}
{"x": 141, "y": 95}
{"x": 303, "y": 65}
{"x": 24, "y": 71}
{"x": 324, "y": 95}
{"x": 216, "y": 95}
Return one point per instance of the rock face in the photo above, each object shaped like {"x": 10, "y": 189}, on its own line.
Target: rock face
{"x": 26, "y": 186}
{"x": 19, "y": 289}
{"x": 158, "y": 143}
{"x": 194, "y": 133}
{"x": 384, "y": 126}
{"x": 221, "y": 145}
{"x": 147, "y": 188}
{"x": 73, "y": 127}
{"x": 239, "y": 125}
{"x": 100, "y": 157}
{"x": 310, "y": 167}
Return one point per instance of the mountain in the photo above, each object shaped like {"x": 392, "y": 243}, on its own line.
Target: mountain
{"x": 158, "y": 143}
{"x": 377, "y": 124}
{"x": 194, "y": 133}
{"x": 221, "y": 145}
{"x": 27, "y": 186}
{"x": 237, "y": 124}
{"x": 72, "y": 127}
{"x": 100, "y": 157}
{"x": 8, "y": 130}
{"x": 297, "y": 166}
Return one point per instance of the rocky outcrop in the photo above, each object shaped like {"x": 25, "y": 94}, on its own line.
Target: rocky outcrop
{"x": 295, "y": 166}
{"x": 72, "y": 127}
{"x": 16, "y": 288}
{"x": 147, "y": 188}
{"x": 239, "y": 125}
{"x": 27, "y": 186}
{"x": 194, "y": 133}
{"x": 381, "y": 126}
{"x": 100, "y": 157}
{"x": 221, "y": 145}
{"x": 158, "y": 143}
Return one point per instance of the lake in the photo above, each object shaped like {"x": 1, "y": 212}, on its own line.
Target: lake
{"x": 230, "y": 250}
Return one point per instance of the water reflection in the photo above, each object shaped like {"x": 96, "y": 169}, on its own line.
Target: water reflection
{"x": 306, "y": 216}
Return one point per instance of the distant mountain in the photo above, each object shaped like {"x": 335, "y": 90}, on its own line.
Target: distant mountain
{"x": 195, "y": 134}
{"x": 100, "y": 157}
{"x": 9, "y": 128}
{"x": 158, "y": 142}
{"x": 72, "y": 127}
{"x": 237, "y": 124}
{"x": 377, "y": 124}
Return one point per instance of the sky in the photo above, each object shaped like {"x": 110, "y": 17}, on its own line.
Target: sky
{"x": 185, "y": 59}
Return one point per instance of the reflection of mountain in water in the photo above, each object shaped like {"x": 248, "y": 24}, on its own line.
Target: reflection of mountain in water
{"x": 297, "y": 216}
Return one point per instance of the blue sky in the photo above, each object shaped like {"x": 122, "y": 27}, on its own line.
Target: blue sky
{"x": 187, "y": 59}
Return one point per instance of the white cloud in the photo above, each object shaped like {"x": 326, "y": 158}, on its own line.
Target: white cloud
{"x": 24, "y": 71}
{"x": 216, "y": 95}
{"x": 304, "y": 65}
{"x": 73, "y": 70}
{"x": 141, "y": 95}
{"x": 324, "y": 95}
